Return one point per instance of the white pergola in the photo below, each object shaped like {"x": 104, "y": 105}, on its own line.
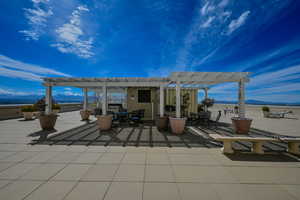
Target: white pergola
{"x": 197, "y": 80}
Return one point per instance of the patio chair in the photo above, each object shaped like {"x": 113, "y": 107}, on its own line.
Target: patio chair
{"x": 135, "y": 117}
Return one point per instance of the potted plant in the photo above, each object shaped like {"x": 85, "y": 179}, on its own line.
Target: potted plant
{"x": 55, "y": 108}
{"x": 236, "y": 109}
{"x": 104, "y": 122}
{"x": 266, "y": 111}
{"x": 162, "y": 122}
{"x": 27, "y": 112}
{"x": 85, "y": 115}
{"x": 177, "y": 124}
{"x": 47, "y": 121}
{"x": 241, "y": 125}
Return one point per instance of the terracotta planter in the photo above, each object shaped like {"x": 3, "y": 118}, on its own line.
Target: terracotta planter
{"x": 85, "y": 114}
{"x": 162, "y": 123}
{"x": 104, "y": 122}
{"x": 28, "y": 115}
{"x": 47, "y": 122}
{"x": 241, "y": 125}
{"x": 177, "y": 125}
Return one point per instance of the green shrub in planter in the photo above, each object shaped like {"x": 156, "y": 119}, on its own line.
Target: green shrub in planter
{"x": 265, "y": 109}
{"x": 27, "y": 109}
{"x": 56, "y": 107}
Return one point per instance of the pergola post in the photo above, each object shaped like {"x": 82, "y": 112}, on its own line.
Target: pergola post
{"x": 104, "y": 100}
{"x": 241, "y": 99}
{"x": 205, "y": 97}
{"x": 178, "y": 115}
{"x": 85, "y": 98}
{"x": 161, "y": 101}
{"x": 48, "y": 99}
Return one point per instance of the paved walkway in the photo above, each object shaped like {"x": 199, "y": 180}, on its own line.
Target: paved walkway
{"x": 96, "y": 172}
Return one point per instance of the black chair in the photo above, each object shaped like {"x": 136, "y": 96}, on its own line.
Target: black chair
{"x": 135, "y": 117}
{"x": 216, "y": 121}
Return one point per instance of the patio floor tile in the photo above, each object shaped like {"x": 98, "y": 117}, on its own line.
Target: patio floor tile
{"x": 43, "y": 172}
{"x": 16, "y": 171}
{"x": 100, "y": 173}
{"x": 130, "y": 173}
{"x": 125, "y": 191}
{"x": 64, "y": 157}
{"x": 192, "y": 159}
{"x": 19, "y": 156}
{"x": 88, "y": 191}
{"x": 161, "y": 191}
{"x": 53, "y": 190}
{"x": 71, "y": 172}
{"x": 134, "y": 158}
{"x": 18, "y": 190}
{"x": 111, "y": 158}
{"x": 162, "y": 173}
{"x": 157, "y": 158}
{"x": 87, "y": 158}
{"x": 194, "y": 191}
{"x": 41, "y": 157}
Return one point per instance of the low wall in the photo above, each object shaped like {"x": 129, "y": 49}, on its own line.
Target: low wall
{"x": 14, "y": 111}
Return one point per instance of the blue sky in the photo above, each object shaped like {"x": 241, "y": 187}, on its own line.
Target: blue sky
{"x": 117, "y": 38}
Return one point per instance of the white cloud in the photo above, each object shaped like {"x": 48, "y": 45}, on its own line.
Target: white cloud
{"x": 236, "y": 23}
{"x": 15, "y": 93}
{"x": 223, "y": 3}
{"x": 11, "y": 63}
{"x": 208, "y": 22}
{"x": 207, "y": 8}
{"x": 37, "y": 19}
{"x": 19, "y": 74}
{"x": 72, "y": 39}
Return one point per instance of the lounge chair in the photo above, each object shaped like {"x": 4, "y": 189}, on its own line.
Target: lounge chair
{"x": 216, "y": 121}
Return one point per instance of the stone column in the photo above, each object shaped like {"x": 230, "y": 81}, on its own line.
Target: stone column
{"x": 241, "y": 99}
{"x": 85, "y": 98}
{"x": 48, "y": 100}
{"x": 104, "y": 100}
{"x": 161, "y": 101}
{"x": 178, "y": 114}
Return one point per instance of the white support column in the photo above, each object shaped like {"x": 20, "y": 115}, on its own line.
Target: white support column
{"x": 161, "y": 101}
{"x": 205, "y": 97}
{"x": 241, "y": 99}
{"x": 48, "y": 99}
{"x": 85, "y": 98}
{"x": 178, "y": 114}
{"x": 104, "y": 100}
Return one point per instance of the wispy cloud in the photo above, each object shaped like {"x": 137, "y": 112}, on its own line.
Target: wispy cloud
{"x": 223, "y": 3}
{"x": 37, "y": 19}
{"x": 236, "y": 23}
{"x": 71, "y": 38}
{"x": 207, "y": 8}
{"x": 208, "y": 22}
{"x": 16, "y": 64}
{"x": 14, "y": 92}
{"x": 19, "y": 74}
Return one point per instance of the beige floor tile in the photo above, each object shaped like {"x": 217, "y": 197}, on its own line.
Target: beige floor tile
{"x": 92, "y": 149}
{"x": 132, "y": 149}
{"x": 19, "y": 156}
{"x": 3, "y": 183}
{"x": 87, "y": 158}
{"x": 192, "y": 159}
{"x": 160, "y": 191}
{"x": 134, "y": 158}
{"x": 194, "y": 191}
{"x": 88, "y": 191}
{"x": 111, "y": 158}
{"x": 293, "y": 190}
{"x": 43, "y": 172}
{"x": 41, "y": 157}
{"x": 53, "y": 190}
{"x": 71, "y": 172}
{"x": 157, "y": 149}
{"x": 202, "y": 174}
{"x": 64, "y": 157}
{"x": 130, "y": 173}
{"x": 162, "y": 173}
{"x": 6, "y": 165}
{"x": 116, "y": 149}
{"x": 125, "y": 191}
{"x": 18, "y": 190}
{"x": 76, "y": 148}
{"x": 100, "y": 173}
{"x": 16, "y": 171}
{"x": 4, "y": 154}
{"x": 157, "y": 158}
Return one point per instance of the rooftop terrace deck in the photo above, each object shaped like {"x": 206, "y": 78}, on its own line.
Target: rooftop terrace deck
{"x": 97, "y": 171}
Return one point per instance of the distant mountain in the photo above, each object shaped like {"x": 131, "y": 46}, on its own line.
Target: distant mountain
{"x": 257, "y": 102}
